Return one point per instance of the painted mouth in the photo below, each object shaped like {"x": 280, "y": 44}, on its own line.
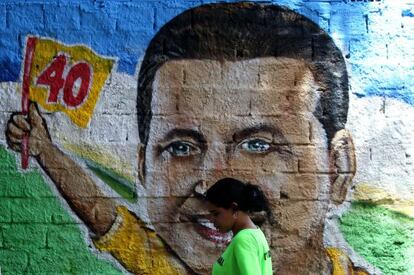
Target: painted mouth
{"x": 207, "y": 230}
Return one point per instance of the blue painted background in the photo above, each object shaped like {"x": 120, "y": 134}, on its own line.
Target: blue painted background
{"x": 375, "y": 36}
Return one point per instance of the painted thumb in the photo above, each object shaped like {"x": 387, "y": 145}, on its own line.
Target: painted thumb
{"x": 34, "y": 115}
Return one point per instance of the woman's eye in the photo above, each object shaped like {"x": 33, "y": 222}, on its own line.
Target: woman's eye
{"x": 181, "y": 149}
{"x": 256, "y": 146}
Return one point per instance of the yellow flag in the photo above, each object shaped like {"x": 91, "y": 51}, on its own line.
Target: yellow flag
{"x": 64, "y": 78}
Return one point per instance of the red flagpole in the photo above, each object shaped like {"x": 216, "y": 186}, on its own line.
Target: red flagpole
{"x": 30, "y": 47}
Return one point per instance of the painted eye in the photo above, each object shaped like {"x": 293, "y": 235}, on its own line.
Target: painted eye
{"x": 256, "y": 145}
{"x": 182, "y": 149}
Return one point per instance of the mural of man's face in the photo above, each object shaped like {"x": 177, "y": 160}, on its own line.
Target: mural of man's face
{"x": 251, "y": 120}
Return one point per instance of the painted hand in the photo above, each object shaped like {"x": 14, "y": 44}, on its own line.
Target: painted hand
{"x": 34, "y": 125}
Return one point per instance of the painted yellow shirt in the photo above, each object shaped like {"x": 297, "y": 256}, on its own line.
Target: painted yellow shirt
{"x": 341, "y": 264}
{"x": 141, "y": 251}
{"x": 138, "y": 248}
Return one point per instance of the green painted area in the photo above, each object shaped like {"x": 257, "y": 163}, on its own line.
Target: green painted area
{"x": 37, "y": 235}
{"x": 383, "y": 237}
{"x": 121, "y": 185}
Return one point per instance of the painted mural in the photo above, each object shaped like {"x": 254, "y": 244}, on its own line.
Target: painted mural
{"x": 111, "y": 140}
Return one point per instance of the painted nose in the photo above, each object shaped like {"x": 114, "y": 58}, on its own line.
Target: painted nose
{"x": 200, "y": 188}
{"x": 216, "y": 159}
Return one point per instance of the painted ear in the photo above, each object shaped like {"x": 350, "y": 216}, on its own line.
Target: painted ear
{"x": 342, "y": 156}
{"x": 141, "y": 163}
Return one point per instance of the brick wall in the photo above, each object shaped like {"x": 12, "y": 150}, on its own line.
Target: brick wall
{"x": 39, "y": 230}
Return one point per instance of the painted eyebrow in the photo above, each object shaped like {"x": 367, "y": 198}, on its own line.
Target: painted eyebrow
{"x": 180, "y": 133}
{"x": 247, "y": 132}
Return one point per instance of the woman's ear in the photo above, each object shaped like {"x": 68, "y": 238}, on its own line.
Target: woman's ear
{"x": 234, "y": 206}
{"x": 343, "y": 165}
{"x": 141, "y": 163}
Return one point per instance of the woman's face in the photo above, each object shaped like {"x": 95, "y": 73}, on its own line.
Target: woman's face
{"x": 222, "y": 218}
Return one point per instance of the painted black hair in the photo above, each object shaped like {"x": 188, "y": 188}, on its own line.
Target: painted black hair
{"x": 240, "y": 31}
{"x": 248, "y": 197}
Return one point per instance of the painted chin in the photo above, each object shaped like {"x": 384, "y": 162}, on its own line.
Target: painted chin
{"x": 206, "y": 229}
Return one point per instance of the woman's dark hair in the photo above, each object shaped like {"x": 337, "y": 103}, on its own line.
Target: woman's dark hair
{"x": 248, "y": 197}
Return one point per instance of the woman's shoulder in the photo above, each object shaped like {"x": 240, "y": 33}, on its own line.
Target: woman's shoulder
{"x": 250, "y": 240}
{"x": 253, "y": 236}
{"x": 248, "y": 235}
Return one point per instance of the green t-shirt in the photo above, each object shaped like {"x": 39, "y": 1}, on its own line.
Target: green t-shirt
{"x": 247, "y": 254}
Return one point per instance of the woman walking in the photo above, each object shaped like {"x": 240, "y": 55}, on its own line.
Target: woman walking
{"x": 230, "y": 202}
